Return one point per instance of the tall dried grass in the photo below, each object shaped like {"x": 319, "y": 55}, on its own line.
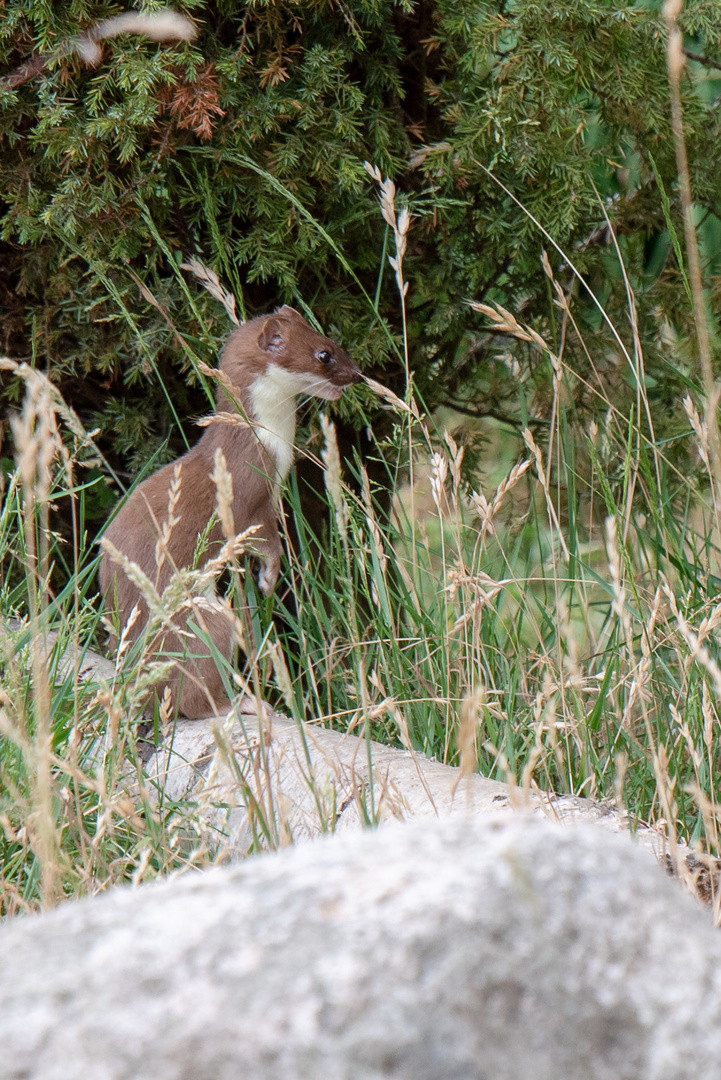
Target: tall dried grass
{"x": 510, "y": 625}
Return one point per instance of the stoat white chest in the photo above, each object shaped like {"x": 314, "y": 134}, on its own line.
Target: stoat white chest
{"x": 272, "y": 399}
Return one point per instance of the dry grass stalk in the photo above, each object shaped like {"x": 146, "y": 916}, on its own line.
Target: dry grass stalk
{"x": 125, "y": 638}
{"x": 455, "y": 462}
{"x": 138, "y": 577}
{"x": 710, "y": 721}
{"x": 333, "y": 475}
{"x": 281, "y": 674}
{"x": 709, "y": 623}
{"x": 483, "y": 589}
{"x": 371, "y": 521}
{"x": 697, "y": 650}
{"x": 487, "y": 510}
{"x": 640, "y": 684}
{"x": 700, "y": 428}
{"x": 166, "y": 530}
{"x": 508, "y": 483}
{"x": 233, "y": 547}
{"x": 471, "y": 719}
{"x": 619, "y": 596}
{"x": 665, "y": 788}
{"x": 39, "y": 385}
{"x": 382, "y": 391}
{"x": 224, "y": 418}
{"x": 439, "y": 475}
{"x": 38, "y": 444}
{"x": 540, "y": 469}
{"x": 210, "y": 280}
{"x": 399, "y": 224}
{"x": 223, "y": 481}
{"x": 561, "y": 300}
{"x": 484, "y": 510}
{"x": 676, "y": 60}
{"x": 162, "y": 25}
{"x": 224, "y": 380}
{"x": 504, "y": 322}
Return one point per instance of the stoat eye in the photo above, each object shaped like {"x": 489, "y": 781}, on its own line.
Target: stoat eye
{"x": 324, "y": 356}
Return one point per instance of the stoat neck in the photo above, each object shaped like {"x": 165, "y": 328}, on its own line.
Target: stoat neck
{"x": 272, "y": 400}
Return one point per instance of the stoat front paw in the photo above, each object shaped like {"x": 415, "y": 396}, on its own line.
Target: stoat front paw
{"x": 268, "y": 575}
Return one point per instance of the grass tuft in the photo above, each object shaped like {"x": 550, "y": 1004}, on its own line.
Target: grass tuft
{"x": 552, "y": 619}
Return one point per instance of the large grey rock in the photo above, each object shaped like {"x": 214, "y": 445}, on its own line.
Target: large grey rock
{"x": 439, "y": 950}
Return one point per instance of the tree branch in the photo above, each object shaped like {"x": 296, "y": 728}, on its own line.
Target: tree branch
{"x": 493, "y": 414}
{"x": 705, "y": 60}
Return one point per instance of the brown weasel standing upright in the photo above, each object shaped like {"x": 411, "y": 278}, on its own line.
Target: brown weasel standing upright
{"x": 268, "y": 361}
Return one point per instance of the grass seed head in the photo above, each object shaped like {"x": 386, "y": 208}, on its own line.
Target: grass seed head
{"x": 333, "y": 475}
{"x": 223, "y": 481}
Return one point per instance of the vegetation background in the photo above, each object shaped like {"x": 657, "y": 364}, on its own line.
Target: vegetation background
{"x": 234, "y": 147}
{"x": 510, "y": 129}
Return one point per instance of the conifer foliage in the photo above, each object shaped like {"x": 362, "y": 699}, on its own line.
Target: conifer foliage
{"x": 245, "y": 148}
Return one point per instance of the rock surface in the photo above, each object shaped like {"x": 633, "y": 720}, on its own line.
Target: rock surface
{"x": 301, "y": 781}
{"x": 462, "y": 949}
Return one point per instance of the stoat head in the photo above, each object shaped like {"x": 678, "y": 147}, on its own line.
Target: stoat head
{"x": 285, "y": 346}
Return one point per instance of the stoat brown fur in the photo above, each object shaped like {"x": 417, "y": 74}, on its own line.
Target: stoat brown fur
{"x": 269, "y": 361}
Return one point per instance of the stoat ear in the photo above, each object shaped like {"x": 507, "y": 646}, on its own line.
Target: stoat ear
{"x": 289, "y": 313}
{"x": 271, "y": 337}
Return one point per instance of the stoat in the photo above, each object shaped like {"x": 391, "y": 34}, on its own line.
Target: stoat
{"x": 268, "y": 362}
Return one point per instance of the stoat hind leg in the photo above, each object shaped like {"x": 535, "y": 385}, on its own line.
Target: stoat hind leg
{"x": 197, "y": 687}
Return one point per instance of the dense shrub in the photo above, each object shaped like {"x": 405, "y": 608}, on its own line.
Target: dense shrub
{"x": 582, "y": 653}
{"x": 246, "y": 148}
